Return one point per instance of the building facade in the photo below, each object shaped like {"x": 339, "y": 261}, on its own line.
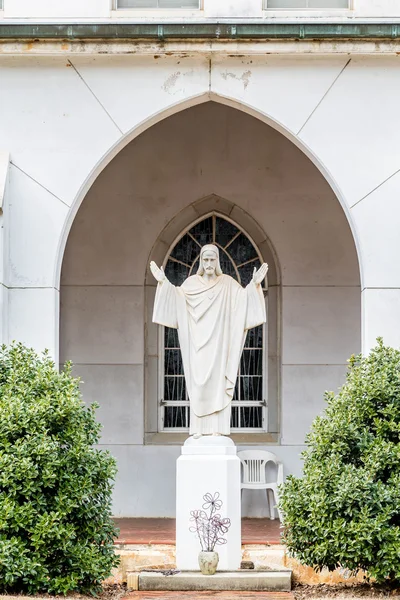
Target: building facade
{"x": 139, "y": 130}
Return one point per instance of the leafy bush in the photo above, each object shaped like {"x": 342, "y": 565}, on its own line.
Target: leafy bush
{"x": 345, "y": 510}
{"x": 56, "y": 532}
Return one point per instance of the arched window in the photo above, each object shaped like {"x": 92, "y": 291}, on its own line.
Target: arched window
{"x": 238, "y": 256}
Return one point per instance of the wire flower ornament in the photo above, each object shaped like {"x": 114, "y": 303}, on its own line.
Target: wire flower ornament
{"x": 209, "y": 526}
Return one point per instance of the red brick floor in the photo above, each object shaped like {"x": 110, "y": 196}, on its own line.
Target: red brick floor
{"x": 162, "y": 531}
{"x": 207, "y": 595}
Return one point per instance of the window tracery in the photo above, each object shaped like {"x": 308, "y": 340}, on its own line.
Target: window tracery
{"x": 238, "y": 257}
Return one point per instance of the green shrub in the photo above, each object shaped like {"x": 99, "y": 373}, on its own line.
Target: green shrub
{"x": 345, "y": 510}
{"x": 56, "y": 532}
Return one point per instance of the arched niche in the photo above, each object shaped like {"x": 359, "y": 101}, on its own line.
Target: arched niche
{"x": 207, "y": 158}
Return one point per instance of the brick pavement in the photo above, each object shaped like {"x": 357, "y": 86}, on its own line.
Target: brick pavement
{"x": 162, "y": 531}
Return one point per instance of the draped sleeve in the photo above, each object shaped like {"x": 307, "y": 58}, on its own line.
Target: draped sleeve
{"x": 165, "y": 310}
{"x": 255, "y": 314}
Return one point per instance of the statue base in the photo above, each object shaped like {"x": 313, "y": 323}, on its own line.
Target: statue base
{"x": 208, "y": 464}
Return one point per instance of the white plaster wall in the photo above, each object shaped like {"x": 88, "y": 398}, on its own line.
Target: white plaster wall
{"x": 376, "y": 8}
{"x": 351, "y": 115}
{"x": 233, "y": 8}
{"x": 51, "y": 9}
{"x": 57, "y": 130}
{"x": 102, "y": 9}
{"x": 204, "y": 150}
{"x": 4, "y": 179}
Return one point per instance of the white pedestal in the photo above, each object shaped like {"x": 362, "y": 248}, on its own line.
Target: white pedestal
{"x": 207, "y": 465}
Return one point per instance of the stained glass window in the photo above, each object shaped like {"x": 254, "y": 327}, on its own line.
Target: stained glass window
{"x": 238, "y": 257}
{"x": 300, "y": 4}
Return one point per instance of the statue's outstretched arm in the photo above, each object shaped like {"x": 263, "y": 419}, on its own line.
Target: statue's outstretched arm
{"x": 260, "y": 274}
{"x": 157, "y": 273}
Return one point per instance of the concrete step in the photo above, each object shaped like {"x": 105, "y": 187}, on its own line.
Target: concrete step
{"x": 206, "y": 596}
{"x": 221, "y": 581}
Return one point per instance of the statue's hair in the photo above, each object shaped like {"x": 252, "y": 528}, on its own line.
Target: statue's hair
{"x": 211, "y": 248}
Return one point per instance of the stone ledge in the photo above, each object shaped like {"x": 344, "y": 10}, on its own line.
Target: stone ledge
{"x": 137, "y": 595}
{"x": 177, "y": 439}
{"x": 224, "y": 581}
{"x": 273, "y": 558}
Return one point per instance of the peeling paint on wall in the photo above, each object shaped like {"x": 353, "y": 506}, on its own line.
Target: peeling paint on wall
{"x": 244, "y": 78}
{"x": 170, "y": 82}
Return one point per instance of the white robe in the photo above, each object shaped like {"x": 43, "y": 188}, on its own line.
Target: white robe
{"x": 212, "y": 319}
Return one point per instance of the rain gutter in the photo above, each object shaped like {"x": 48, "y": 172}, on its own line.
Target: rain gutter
{"x": 211, "y": 31}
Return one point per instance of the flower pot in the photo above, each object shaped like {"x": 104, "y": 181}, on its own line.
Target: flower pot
{"x": 208, "y": 562}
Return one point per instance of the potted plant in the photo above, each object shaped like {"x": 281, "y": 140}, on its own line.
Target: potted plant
{"x": 210, "y": 528}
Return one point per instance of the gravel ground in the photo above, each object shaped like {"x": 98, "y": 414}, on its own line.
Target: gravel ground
{"x": 343, "y": 592}
{"x": 300, "y": 592}
{"x": 110, "y": 592}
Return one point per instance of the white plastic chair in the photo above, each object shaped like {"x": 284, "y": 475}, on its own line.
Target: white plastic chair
{"x": 254, "y": 464}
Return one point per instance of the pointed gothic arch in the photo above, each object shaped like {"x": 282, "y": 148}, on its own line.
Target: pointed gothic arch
{"x": 154, "y": 189}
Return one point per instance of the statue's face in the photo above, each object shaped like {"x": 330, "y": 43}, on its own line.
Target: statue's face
{"x": 209, "y": 262}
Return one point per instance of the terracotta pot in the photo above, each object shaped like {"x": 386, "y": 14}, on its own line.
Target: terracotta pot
{"x": 208, "y": 562}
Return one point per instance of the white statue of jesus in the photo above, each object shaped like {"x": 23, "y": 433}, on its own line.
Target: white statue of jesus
{"x": 212, "y": 313}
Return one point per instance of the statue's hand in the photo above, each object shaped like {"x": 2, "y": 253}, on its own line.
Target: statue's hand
{"x": 259, "y": 276}
{"x": 157, "y": 273}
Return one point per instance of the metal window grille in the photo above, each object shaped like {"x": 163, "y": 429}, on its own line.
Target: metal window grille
{"x": 166, "y": 4}
{"x": 238, "y": 257}
{"x": 301, "y": 4}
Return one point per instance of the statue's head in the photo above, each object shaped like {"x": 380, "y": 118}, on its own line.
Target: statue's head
{"x": 209, "y": 260}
